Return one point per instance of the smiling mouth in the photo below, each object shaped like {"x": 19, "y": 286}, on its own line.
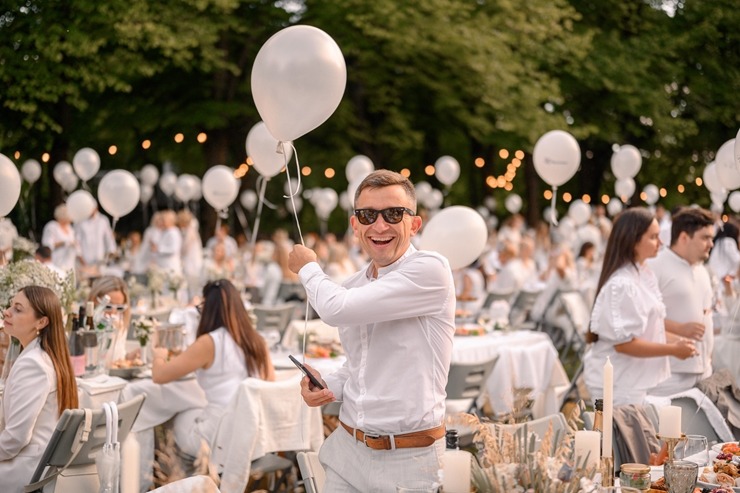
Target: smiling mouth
{"x": 379, "y": 241}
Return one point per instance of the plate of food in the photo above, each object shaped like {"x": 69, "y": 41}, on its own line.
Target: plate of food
{"x": 470, "y": 330}
{"x": 727, "y": 448}
{"x": 125, "y": 368}
{"x": 723, "y": 473}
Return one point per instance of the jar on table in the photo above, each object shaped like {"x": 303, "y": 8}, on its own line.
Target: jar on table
{"x": 635, "y": 476}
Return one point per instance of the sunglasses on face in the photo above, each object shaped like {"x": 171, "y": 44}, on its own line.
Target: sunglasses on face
{"x": 391, "y": 215}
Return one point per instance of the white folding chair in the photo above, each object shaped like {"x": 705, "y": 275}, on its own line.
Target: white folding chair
{"x": 465, "y": 384}
{"x": 274, "y": 318}
{"x": 521, "y": 308}
{"x": 578, "y": 315}
{"x": 68, "y": 463}
{"x": 312, "y": 472}
{"x": 538, "y": 427}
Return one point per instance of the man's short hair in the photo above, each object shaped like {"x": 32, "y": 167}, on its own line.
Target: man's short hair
{"x": 385, "y": 178}
{"x": 689, "y": 220}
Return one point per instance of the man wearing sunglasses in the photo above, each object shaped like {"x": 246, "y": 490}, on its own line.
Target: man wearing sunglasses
{"x": 396, "y": 323}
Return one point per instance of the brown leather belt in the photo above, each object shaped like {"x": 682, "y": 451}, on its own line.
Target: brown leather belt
{"x": 415, "y": 439}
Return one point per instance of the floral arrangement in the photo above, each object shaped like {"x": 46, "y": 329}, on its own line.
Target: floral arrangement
{"x": 156, "y": 279}
{"x": 174, "y": 282}
{"x": 512, "y": 461}
{"x": 143, "y": 329}
{"x": 23, "y": 248}
{"x": 135, "y": 289}
{"x": 21, "y": 274}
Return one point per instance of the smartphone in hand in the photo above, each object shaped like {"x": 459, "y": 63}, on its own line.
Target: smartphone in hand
{"x": 305, "y": 371}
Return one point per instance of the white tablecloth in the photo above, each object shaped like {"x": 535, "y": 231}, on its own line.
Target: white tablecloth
{"x": 526, "y": 359}
{"x": 725, "y": 354}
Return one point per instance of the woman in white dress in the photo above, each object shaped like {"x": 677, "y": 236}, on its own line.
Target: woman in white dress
{"x": 59, "y": 235}
{"x": 227, "y": 350}
{"x": 41, "y": 384}
{"x": 628, "y": 318}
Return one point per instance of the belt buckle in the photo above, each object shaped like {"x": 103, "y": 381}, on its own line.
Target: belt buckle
{"x": 368, "y": 435}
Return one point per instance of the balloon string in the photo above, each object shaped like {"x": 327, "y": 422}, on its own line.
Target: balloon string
{"x": 553, "y": 216}
{"x": 292, "y": 193}
{"x": 263, "y": 185}
{"x": 266, "y": 202}
{"x": 113, "y": 226}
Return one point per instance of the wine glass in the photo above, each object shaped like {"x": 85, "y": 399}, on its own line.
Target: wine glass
{"x": 694, "y": 449}
{"x": 681, "y": 475}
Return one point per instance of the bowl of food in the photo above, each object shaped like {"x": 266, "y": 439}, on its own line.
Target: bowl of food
{"x": 126, "y": 368}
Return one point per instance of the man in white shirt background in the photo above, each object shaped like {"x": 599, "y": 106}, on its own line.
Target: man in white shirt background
{"x": 95, "y": 242}
{"x": 396, "y": 324}
{"x": 687, "y": 294}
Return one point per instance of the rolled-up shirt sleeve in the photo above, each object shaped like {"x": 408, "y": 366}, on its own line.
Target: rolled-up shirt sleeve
{"x": 617, "y": 316}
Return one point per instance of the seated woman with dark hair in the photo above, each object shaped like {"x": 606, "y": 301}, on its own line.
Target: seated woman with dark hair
{"x": 226, "y": 351}
{"x": 41, "y": 384}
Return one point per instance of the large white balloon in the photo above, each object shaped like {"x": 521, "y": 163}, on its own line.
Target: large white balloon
{"x": 447, "y": 170}
{"x": 149, "y": 175}
{"x": 513, "y": 203}
{"x": 248, "y": 199}
{"x": 298, "y": 80}
{"x": 423, "y": 189}
{"x": 262, "y": 147}
{"x": 626, "y": 162}
{"x": 652, "y": 194}
{"x": 220, "y": 188}
{"x": 31, "y": 171}
{"x": 625, "y": 188}
{"x": 62, "y": 169}
{"x": 69, "y": 182}
{"x": 167, "y": 183}
{"x": 10, "y": 185}
{"x": 711, "y": 180}
{"x": 728, "y": 171}
{"x": 146, "y": 192}
{"x": 326, "y": 202}
{"x": 80, "y": 205}
{"x": 434, "y": 200}
{"x": 734, "y": 201}
{"x": 186, "y": 187}
{"x": 86, "y": 163}
{"x": 580, "y": 212}
{"x": 119, "y": 192}
{"x": 614, "y": 206}
{"x": 358, "y": 167}
{"x": 556, "y": 157}
{"x": 458, "y": 232}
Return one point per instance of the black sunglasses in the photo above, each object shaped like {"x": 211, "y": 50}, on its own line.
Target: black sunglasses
{"x": 391, "y": 215}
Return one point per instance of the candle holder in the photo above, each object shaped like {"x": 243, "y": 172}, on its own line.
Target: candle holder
{"x": 671, "y": 443}
{"x": 607, "y": 471}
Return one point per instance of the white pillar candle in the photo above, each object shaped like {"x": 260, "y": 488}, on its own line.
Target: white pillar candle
{"x": 130, "y": 473}
{"x": 669, "y": 422}
{"x": 456, "y": 471}
{"x": 587, "y": 443}
{"x": 606, "y": 450}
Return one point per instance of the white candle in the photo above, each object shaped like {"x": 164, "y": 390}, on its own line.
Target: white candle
{"x": 456, "y": 471}
{"x": 587, "y": 444}
{"x": 669, "y": 422}
{"x": 130, "y": 460}
{"x": 606, "y": 448}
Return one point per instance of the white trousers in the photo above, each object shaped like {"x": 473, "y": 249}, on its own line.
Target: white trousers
{"x": 353, "y": 467}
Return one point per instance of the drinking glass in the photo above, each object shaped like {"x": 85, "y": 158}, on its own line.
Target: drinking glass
{"x": 694, "y": 449}
{"x": 680, "y": 475}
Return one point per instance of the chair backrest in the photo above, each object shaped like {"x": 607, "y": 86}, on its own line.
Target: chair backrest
{"x": 193, "y": 484}
{"x": 291, "y": 291}
{"x": 274, "y": 317}
{"x": 467, "y": 380}
{"x": 576, "y": 309}
{"x": 522, "y": 306}
{"x": 539, "y": 427}
{"x": 60, "y": 449}
{"x": 312, "y": 472}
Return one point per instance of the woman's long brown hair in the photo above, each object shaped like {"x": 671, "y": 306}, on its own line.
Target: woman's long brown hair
{"x": 628, "y": 229}
{"x": 223, "y": 307}
{"x": 53, "y": 341}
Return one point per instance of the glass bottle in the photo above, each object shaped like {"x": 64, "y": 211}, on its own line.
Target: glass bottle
{"x": 455, "y": 465}
{"x": 76, "y": 348}
{"x": 599, "y": 415}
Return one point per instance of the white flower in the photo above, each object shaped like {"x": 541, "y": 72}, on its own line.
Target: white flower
{"x": 143, "y": 329}
{"x": 18, "y": 275}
